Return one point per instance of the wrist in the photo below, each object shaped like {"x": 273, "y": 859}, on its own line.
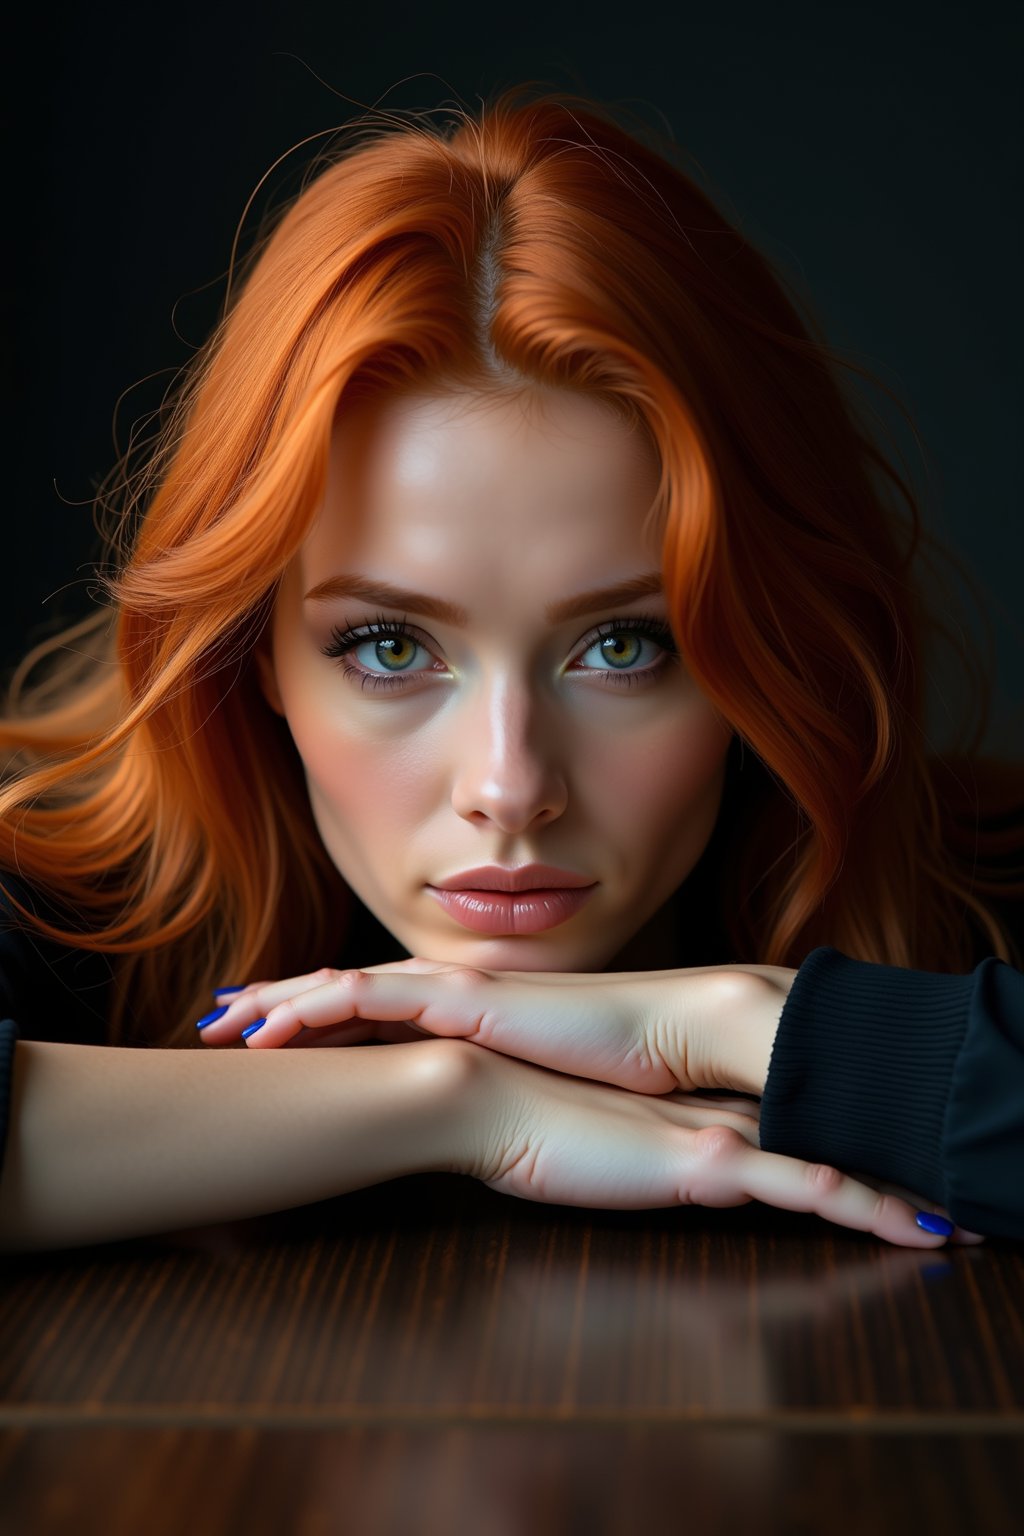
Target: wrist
{"x": 747, "y": 1017}
{"x": 445, "y": 1080}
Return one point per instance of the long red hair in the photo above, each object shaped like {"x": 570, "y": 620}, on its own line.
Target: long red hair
{"x": 150, "y": 788}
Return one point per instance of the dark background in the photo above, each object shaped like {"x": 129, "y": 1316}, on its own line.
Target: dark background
{"x": 871, "y": 150}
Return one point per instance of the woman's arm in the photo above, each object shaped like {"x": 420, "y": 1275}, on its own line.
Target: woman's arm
{"x": 105, "y": 1143}
{"x": 540, "y": 1130}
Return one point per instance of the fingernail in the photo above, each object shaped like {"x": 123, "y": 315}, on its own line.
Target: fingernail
{"x": 260, "y": 1023}
{"x": 220, "y": 991}
{"x": 211, "y": 1018}
{"x": 929, "y": 1222}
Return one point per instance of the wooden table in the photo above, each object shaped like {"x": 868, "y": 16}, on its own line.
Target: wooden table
{"x": 429, "y": 1356}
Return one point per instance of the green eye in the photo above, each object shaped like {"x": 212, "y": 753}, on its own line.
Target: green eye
{"x": 392, "y": 648}
{"x": 612, "y": 648}
{"x": 393, "y": 639}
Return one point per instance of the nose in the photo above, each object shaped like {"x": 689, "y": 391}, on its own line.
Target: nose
{"x": 507, "y": 754}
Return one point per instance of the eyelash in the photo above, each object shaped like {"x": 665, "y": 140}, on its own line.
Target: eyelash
{"x": 345, "y": 640}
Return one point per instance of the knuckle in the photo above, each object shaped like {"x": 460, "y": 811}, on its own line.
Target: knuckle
{"x": 741, "y": 988}
{"x": 715, "y": 1143}
{"x": 468, "y": 976}
{"x": 883, "y": 1208}
{"x": 336, "y": 978}
{"x": 823, "y": 1178}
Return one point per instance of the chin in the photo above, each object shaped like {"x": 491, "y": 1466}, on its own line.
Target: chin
{"x": 510, "y": 954}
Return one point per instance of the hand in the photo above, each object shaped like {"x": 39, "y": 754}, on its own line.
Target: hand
{"x": 562, "y": 1138}
{"x": 539, "y": 1135}
{"x": 228, "y": 1029}
{"x": 649, "y": 1031}
{"x": 326, "y": 1007}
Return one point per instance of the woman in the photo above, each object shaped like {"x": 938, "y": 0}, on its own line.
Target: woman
{"x": 362, "y": 639}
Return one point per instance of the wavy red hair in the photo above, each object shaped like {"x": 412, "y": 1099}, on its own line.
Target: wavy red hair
{"x": 150, "y": 788}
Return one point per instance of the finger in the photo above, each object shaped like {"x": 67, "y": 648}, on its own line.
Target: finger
{"x": 241, "y": 1010}
{"x": 922, "y": 1203}
{"x": 701, "y": 1119}
{"x": 218, "y": 1026}
{"x": 958, "y": 1234}
{"x": 357, "y": 1032}
{"x": 255, "y": 1001}
{"x": 361, "y": 995}
{"x": 509, "y": 1016}
{"x": 461, "y": 1004}
{"x": 731, "y": 1170}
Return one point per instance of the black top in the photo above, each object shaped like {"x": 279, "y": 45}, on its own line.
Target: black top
{"x": 914, "y": 1077}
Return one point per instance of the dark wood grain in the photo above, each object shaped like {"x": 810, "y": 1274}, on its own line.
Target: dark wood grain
{"x": 430, "y": 1355}
{"x": 434, "y": 1293}
{"x": 506, "y": 1480}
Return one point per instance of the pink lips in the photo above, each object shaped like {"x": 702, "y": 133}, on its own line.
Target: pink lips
{"x": 517, "y": 877}
{"x": 495, "y": 912}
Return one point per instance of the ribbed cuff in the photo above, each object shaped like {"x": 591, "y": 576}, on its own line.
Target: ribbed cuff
{"x": 861, "y": 1069}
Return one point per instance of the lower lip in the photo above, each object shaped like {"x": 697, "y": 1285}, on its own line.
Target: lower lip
{"x": 498, "y": 912}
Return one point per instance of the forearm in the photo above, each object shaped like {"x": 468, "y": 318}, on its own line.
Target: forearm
{"x": 107, "y": 1143}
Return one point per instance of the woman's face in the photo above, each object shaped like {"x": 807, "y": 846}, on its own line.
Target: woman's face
{"x": 495, "y": 732}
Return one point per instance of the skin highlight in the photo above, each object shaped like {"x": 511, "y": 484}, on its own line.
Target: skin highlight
{"x": 511, "y": 739}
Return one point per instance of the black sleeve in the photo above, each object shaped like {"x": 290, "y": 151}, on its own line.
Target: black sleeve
{"x": 915, "y": 1077}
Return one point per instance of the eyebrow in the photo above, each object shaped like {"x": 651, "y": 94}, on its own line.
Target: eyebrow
{"x": 375, "y": 591}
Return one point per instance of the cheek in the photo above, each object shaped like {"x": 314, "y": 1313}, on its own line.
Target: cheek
{"x": 670, "y": 773}
{"x": 361, "y": 788}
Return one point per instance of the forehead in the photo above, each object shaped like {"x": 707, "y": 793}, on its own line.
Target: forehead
{"x": 431, "y": 477}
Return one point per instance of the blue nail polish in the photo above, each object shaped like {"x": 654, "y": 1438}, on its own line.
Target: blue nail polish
{"x": 220, "y": 991}
{"x": 211, "y": 1018}
{"x": 929, "y": 1222}
{"x": 259, "y": 1025}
